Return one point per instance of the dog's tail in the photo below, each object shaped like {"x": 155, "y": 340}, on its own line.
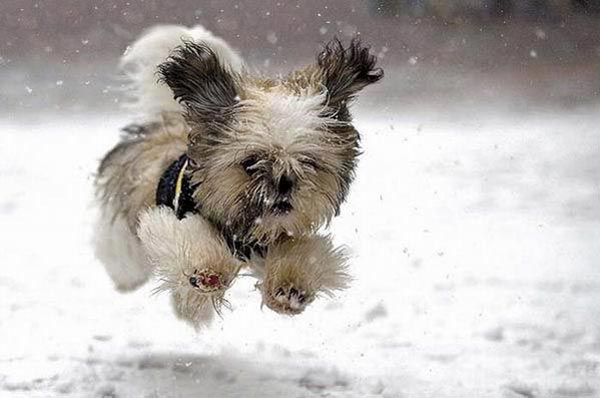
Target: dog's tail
{"x": 145, "y": 94}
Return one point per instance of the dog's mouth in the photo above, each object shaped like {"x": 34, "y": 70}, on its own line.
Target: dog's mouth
{"x": 282, "y": 207}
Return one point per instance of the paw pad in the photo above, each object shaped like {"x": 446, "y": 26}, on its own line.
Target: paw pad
{"x": 287, "y": 299}
{"x": 206, "y": 281}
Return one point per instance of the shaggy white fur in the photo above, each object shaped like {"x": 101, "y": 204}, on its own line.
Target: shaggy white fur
{"x": 149, "y": 98}
{"x": 188, "y": 250}
{"x": 121, "y": 253}
{"x": 286, "y": 119}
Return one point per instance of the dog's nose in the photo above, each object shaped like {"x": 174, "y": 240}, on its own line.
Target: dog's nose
{"x": 285, "y": 185}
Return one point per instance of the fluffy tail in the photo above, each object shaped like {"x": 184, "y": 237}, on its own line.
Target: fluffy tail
{"x": 146, "y": 96}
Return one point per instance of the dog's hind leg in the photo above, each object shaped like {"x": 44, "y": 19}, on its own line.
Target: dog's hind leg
{"x": 121, "y": 252}
{"x": 298, "y": 270}
{"x": 191, "y": 260}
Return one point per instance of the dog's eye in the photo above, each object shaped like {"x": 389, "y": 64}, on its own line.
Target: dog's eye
{"x": 249, "y": 164}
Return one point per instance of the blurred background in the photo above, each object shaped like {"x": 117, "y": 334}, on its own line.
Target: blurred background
{"x": 473, "y": 223}
{"x": 62, "y": 55}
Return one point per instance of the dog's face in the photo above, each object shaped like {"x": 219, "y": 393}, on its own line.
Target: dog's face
{"x": 271, "y": 157}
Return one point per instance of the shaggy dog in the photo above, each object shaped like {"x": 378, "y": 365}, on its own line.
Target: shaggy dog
{"x": 228, "y": 169}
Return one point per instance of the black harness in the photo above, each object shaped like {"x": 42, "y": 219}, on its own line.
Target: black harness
{"x": 175, "y": 190}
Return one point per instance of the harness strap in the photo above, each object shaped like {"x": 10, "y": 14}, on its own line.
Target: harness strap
{"x": 174, "y": 189}
{"x": 179, "y": 186}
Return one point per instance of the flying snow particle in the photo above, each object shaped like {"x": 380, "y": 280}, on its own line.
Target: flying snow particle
{"x": 533, "y": 54}
{"x": 59, "y": 82}
{"x": 494, "y": 334}
{"x": 29, "y": 89}
{"x": 413, "y": 60}
{"x": 272, "y": 37}
{"x": 323, "y": 30}
{"x": 540, "y": 34}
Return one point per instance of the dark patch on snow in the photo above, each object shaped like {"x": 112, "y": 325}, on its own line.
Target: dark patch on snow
{"x": 20, "y": 386}
{"x": 139, "y": 344}
{"x": 318, "y": 380}
{"x": 377, "y": 311}
{"x": 443, "y": 358}
{"x": 575, "y": 390}
{"x": 126, "y": 363}
{"x": 65, "y": 387}
{"x": 151, "y": 363}
{"x": 494, "y": 334}
{"x": 106, "y": 391}
{"x": 522, "y": 390}
{"x": 101, "y": 337}
{"x": 224, "y": 376}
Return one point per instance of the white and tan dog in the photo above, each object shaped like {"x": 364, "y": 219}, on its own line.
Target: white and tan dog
{"x": 227, "y": 169}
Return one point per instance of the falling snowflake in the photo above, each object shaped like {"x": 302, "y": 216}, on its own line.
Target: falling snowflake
{"x": 272, "y": 37}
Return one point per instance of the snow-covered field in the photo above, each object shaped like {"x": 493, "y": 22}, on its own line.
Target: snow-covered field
{"x": 475, "y": 239}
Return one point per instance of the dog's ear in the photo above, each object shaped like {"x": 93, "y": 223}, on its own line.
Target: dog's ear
{"x": 346, "y": 70}
{"x": 200, "y": 82}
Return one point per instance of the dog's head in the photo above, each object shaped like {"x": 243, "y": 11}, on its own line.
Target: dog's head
{"x": 272, "y": 156}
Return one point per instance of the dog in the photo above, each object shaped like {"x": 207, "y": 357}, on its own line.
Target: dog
{"x": 224, "y": 169}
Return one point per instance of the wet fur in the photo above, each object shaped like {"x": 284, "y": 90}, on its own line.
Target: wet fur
{"x": 272, "y": 160}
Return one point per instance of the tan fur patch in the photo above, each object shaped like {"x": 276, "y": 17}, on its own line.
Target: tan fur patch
{"x": 310, "y": 265}
{"x": 129, "y": 174}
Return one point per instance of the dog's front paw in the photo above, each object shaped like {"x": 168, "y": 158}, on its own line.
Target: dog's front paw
{"x": 287, "y": 298}
{"x": 298, "y": 270}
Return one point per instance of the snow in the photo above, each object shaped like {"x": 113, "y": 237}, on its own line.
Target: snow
{"x": 475, "y": 242}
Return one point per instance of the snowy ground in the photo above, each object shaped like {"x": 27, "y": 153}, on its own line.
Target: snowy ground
{"x": 475, "y": 238}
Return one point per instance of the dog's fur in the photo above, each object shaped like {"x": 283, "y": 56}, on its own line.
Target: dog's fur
{"x": 270, "y": 159}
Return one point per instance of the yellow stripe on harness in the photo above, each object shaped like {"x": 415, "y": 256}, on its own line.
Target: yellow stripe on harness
{"x": 178, "y": 186}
